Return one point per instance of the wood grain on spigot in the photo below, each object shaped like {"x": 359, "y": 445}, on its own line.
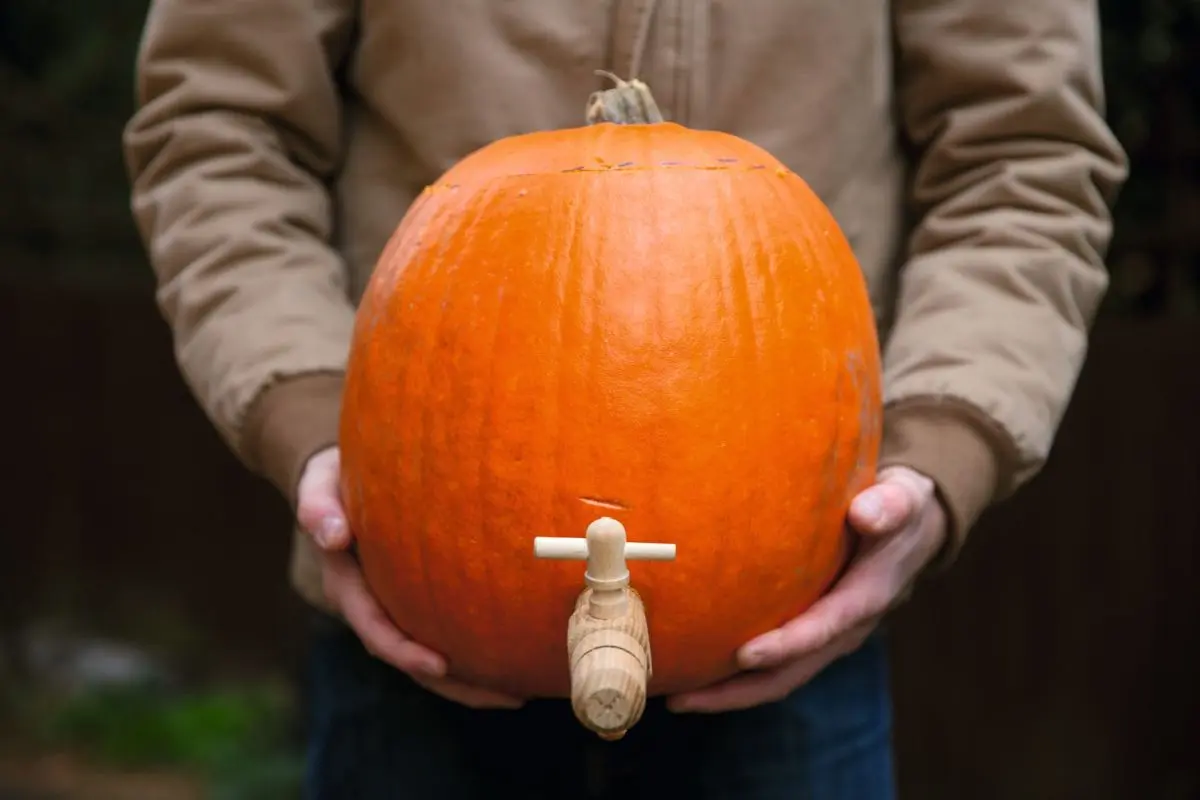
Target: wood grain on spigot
{"x": 610, "y": 663}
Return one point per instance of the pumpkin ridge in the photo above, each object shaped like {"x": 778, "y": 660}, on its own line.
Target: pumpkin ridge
{"x": 655, "y": 455}
{"x": 819, "y": 253}
{"x": 437, "y": 591}
{"x": 387, "y": 289}
{"x": 594, "y": 335}
{"x": 804, "y": 257}
{"x": 496, "y": 585}
{"x": 744, "y": 327}
{"x": 570, "y": 305}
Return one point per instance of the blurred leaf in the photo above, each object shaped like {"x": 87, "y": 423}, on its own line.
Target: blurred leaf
{"x": 237, "y": 738}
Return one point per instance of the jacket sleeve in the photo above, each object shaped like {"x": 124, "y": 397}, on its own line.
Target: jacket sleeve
{"x": 236, "y": 135}
{"x": 1015, "y": 171}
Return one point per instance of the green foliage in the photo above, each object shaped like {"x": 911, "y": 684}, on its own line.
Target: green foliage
{"x": 237, "y": 739}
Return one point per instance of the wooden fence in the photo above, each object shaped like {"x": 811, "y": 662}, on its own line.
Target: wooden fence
{"x": 1059, "y": 660}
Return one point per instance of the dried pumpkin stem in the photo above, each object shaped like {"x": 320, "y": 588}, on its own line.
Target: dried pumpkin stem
{"x": 627, "y": 103}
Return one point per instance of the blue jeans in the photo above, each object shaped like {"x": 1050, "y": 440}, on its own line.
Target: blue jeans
{"x": 375, "y": 735}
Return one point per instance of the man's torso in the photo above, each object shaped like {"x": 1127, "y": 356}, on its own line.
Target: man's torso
{"x": 429, "y": 81}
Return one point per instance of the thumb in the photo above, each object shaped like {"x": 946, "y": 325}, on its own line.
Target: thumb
{"x": 890, "y": 504}
{"x": 318, "y": 507}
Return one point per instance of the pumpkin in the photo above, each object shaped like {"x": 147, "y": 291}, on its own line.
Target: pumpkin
{"x": 628, "y": 319}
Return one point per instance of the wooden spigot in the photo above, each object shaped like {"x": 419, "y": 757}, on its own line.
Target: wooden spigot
{"x": 608, "y": 641}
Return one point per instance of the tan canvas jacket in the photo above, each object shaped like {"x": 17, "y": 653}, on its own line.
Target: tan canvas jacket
{"x": 960, "y": 144}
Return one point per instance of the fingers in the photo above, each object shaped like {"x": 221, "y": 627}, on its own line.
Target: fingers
{"x": 472, "y": 696}
{"x": 319, "y": 512}
{"x": 882, "y": 508}
{"x": 755, "y": 688}
{"x": 894, "y": 514}
{"x": 877, "y": 578}
{"x": 347, "y": 591}
{"x": 319, "y": 508}
{"x": 861, "y": 597}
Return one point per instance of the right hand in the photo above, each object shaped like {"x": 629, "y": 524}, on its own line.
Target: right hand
{"x": 320, "y": 514}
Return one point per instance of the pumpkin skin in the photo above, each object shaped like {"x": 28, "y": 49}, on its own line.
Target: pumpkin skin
{"x": 646, "y": 322}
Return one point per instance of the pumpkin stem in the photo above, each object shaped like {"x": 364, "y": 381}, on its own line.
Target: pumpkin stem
{"x": 627, "y": 103}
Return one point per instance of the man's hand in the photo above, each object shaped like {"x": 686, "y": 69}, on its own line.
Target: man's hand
{"x": 903, "y": 526}
{"x": 320, "y": 513}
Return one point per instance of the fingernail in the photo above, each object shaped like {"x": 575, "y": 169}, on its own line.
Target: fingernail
{"x": 433, "y": 667}
{"x": 331, "y": 531}
{"x": 869, "y": 507}
{"x": 761, "y": 652}
{"x": 754, "y": 657}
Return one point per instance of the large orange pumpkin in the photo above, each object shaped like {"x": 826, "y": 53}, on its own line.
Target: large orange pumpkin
{"x": 642, "y": 321}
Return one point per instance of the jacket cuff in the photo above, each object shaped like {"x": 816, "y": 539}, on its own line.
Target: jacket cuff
{"x": 954, "y": 450}
{"x": 289, "y": 422}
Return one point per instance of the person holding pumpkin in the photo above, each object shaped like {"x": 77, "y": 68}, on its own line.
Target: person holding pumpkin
{"x": 961, "y": 147}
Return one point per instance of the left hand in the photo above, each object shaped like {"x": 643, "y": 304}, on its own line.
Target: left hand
{"x": 903, "y": 526}
{"x": 321, "y": 514}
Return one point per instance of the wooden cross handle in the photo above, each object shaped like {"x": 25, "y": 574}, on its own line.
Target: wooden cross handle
{"x": 608, "y": 640}
{"x": 574, "y": 549}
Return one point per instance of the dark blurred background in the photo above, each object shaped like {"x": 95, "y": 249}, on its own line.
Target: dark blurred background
{"x": 1059, "y": 660}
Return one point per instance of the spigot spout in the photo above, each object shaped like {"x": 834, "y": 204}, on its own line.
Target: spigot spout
{"x": 608, "y": 639}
